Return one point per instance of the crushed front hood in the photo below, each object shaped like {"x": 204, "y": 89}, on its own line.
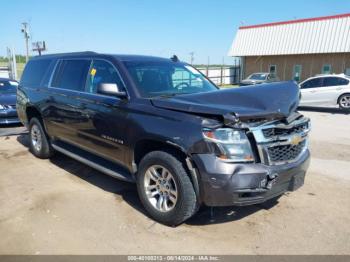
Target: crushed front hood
{"x": 271, "y": 101}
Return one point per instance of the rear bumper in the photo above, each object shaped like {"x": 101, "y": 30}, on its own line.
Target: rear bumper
{"x": 225, "y": 184}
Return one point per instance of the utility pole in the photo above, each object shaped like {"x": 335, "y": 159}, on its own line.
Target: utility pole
{"x": 191, "y": 57}
{"x": 208, "y": 64}
{"x": 26, "y": 37}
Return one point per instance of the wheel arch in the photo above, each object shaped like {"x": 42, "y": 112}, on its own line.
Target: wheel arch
{"x": 145, "y": 146}
{"x": 346, "y": 93}
{"x": 32, "y": 111}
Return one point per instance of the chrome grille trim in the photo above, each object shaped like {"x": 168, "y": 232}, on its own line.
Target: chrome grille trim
{"x": 9, "y": 107}
{"x": 291, "y": 138}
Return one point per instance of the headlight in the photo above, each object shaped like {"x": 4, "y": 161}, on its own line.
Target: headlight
{"x": 2, "y": 107}
{"x": 233, "y": 143}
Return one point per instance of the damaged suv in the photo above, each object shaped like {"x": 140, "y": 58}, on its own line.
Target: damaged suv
{"x": 162, "y": 124}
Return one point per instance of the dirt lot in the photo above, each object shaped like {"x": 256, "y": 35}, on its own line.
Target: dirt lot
{"x": 60, "y": 206}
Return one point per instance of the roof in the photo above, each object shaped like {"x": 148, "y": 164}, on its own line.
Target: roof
{"x": 327, "y": 34}
{"x": 120, "y": 57}
{"x": 330, "y": 75}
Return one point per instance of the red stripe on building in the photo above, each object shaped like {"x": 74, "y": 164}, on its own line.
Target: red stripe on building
{"x": 296, "y": 21}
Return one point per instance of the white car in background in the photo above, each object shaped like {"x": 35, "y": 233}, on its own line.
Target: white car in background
{"x": 326, "y": 90}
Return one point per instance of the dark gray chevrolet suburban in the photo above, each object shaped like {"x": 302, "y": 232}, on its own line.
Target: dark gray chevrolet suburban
{"x": 163, "y": 125}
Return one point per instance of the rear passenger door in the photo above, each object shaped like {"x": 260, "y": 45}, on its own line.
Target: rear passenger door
{"x": 65, "y": 115}
{"x": 106, "y": 116}
{"x": 332, "y": 88}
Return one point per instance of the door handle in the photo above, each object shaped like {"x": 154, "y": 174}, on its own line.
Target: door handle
{"x": 339, "y": 88}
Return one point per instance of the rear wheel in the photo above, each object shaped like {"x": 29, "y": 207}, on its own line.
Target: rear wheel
{"x": 39, "y": 143}
{"x": 165, "y": 188}
{"x": 344, "y": 102}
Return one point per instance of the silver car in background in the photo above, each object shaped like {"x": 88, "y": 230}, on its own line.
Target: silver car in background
{"x": 326, "y": 90}
{"x": 259, "y": 78}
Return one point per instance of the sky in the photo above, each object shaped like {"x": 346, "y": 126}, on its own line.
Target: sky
{"x": 152, "y": 27}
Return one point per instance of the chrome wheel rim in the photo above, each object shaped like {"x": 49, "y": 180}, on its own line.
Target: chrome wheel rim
{"x": 345, "y": 101}
{"x": 160, "y": 188}
{"x": 36, "y": 137}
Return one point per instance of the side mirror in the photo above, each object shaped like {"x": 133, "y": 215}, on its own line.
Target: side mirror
{"x": 110, "y": 89}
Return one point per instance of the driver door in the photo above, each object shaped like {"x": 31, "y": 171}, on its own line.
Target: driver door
{"x": 106, "y": 115}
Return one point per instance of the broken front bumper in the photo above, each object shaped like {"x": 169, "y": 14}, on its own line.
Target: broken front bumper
{"x": 224, "y": 184}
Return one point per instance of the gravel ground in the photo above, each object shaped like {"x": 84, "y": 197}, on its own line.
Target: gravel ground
{"x": 60, "y": 206}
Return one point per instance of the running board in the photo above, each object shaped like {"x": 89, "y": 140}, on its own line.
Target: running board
{"x": 106, "y": 167}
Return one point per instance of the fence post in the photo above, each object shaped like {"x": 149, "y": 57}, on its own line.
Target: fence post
{"x": 222, "y": 73}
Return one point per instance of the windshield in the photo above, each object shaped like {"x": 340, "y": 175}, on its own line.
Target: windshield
{"x": 258, "y": 77}
{"x": 8, "y": 86}
{"x": 167, "y": 79}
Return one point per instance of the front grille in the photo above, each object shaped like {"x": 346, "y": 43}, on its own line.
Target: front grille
{"x": 285, "y": 153}
{"x": 276, "y": 141}
{"x": 10, "y": 106}
{"x": 271, "y": 132}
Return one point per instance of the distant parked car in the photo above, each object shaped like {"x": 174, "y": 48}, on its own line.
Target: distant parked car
{"x": 259, "y": 78}
{"x": 326, "y": 90}
{"x": 8, "y": 113}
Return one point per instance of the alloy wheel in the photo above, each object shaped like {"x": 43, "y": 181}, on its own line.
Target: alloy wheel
{"x": 345, "y": 102}
{"x": 160, "y": 188}
{"x": 36, "y": 137}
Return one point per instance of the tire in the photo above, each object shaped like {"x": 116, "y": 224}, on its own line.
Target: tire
{"x": 39, "y": 143}
{"x": 172, "y": 210}
{"x": 344, "y": 102}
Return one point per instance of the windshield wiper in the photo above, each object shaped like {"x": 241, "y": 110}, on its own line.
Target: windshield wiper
{"x": 171, "y": 94}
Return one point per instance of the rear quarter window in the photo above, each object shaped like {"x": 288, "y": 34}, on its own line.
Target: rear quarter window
{"x": 35, "y": 72}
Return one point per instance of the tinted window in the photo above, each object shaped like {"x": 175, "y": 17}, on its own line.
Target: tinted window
{"x": 316, "y": 82}
{"x": 102, "y": 72}
{"x": 343, "y": 82}
{"x": 330, "y": 81}
{"x": 34, "y": 72}
{"x": 258, "y": 76}
{"x": 71, "y": 74}
{"x": 334, "y": 81}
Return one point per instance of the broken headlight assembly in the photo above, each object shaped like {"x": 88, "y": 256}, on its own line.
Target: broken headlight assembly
{"x": 233, "y": 144}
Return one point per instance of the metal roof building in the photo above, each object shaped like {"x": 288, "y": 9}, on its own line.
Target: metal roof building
{"x": 295, "y": 49}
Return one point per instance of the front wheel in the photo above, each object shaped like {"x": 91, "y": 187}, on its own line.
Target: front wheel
{"x": 344, "y": 102}
{"x": 165, "y": 188}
